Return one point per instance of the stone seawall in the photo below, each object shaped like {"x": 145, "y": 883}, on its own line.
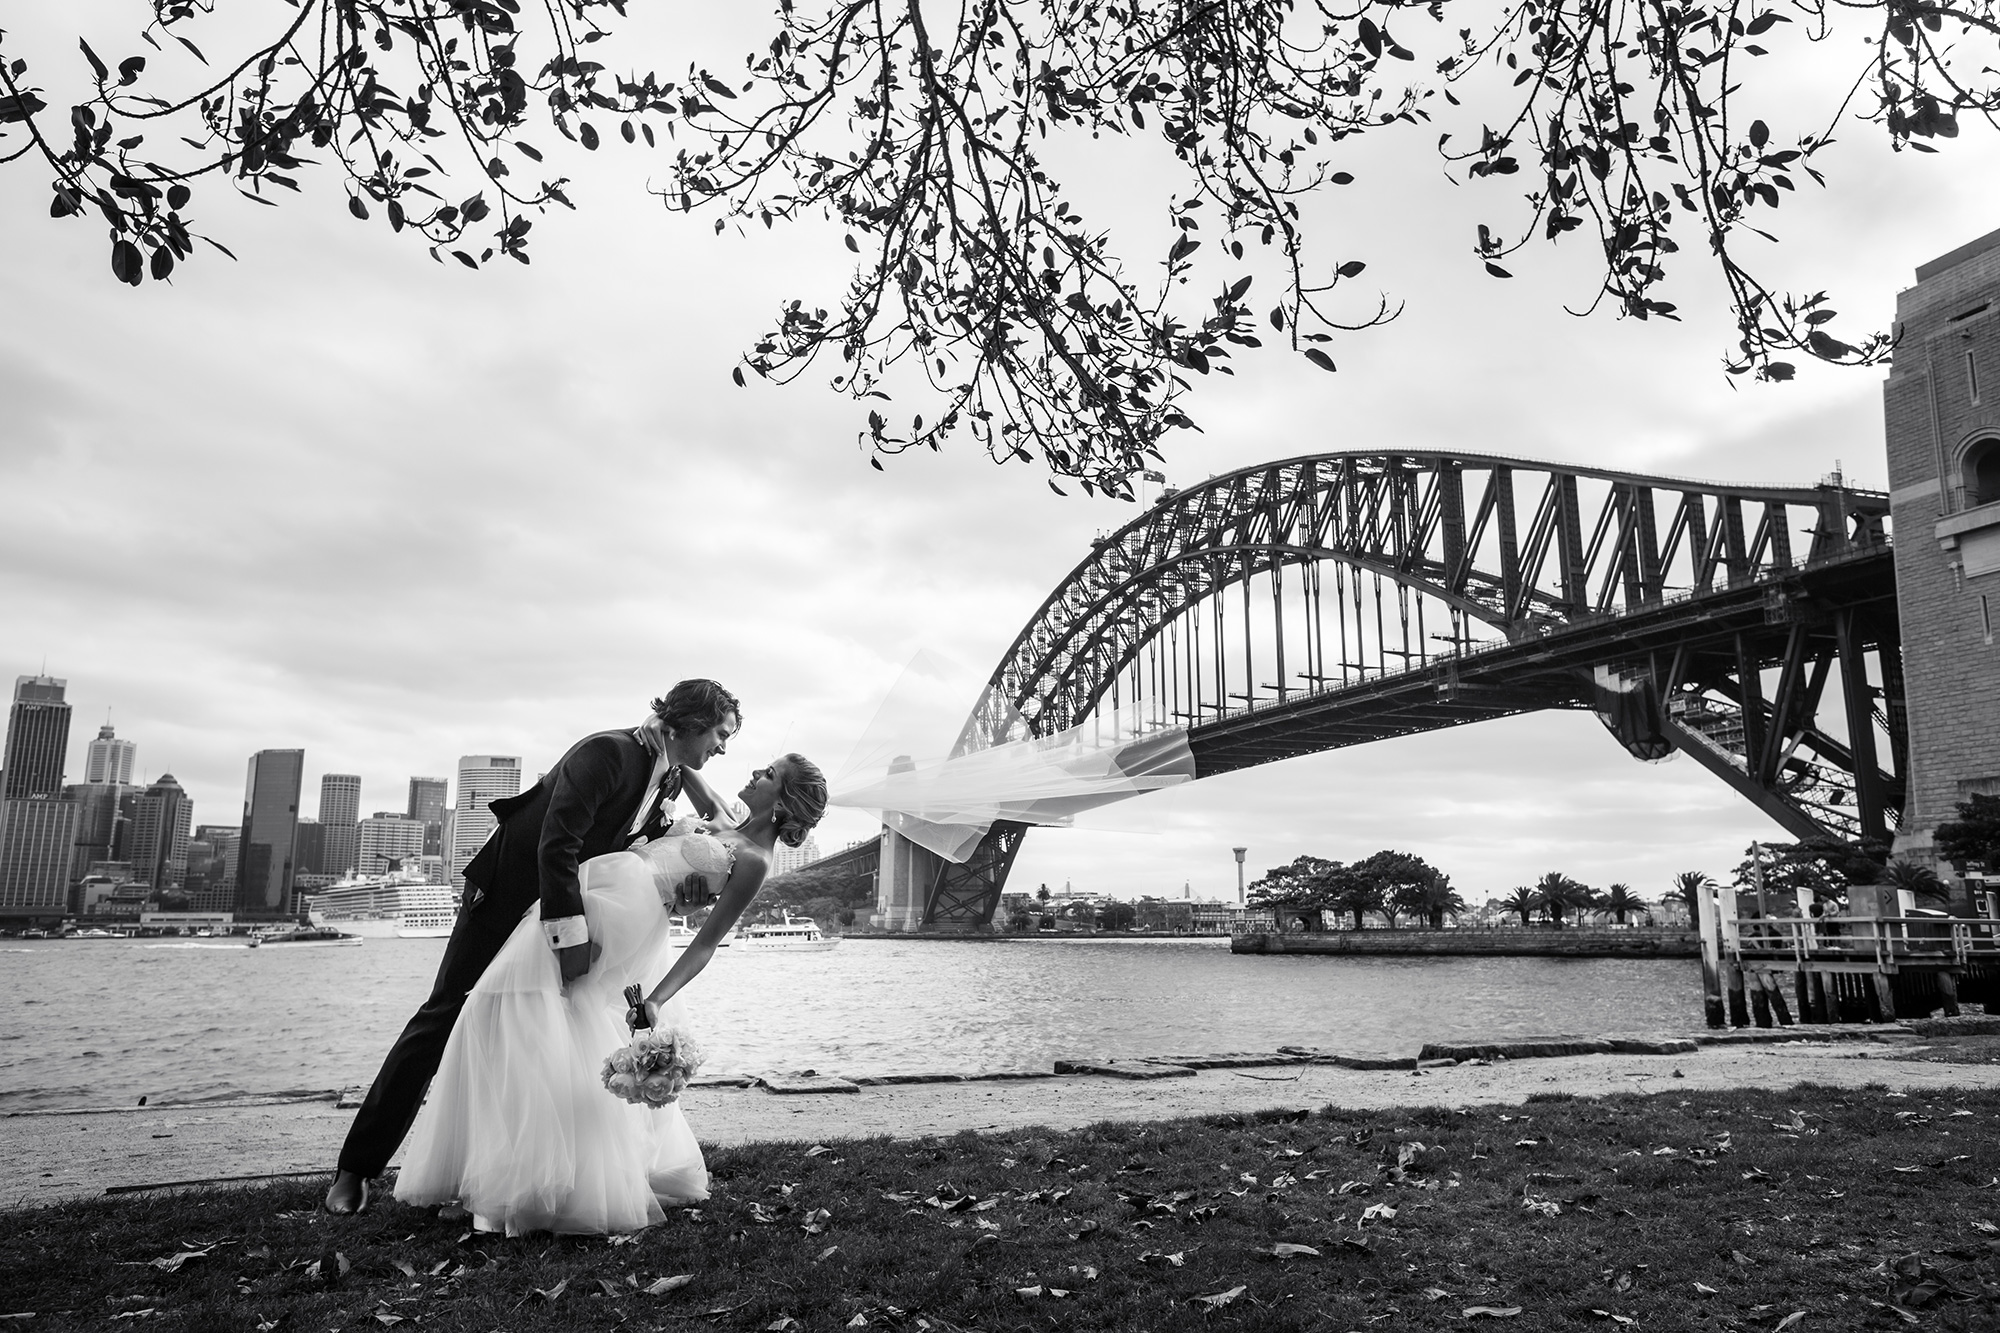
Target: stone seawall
{"x": 1584, "y": 943}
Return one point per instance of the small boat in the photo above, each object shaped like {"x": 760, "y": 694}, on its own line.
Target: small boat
{"x": 302, "y": 935}
{"x": 792, "y": 935}
{"x": 680, "y": 934}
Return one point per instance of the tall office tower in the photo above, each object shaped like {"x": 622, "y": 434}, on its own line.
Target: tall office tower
{"x": 339, "y": 811}
{"x": 386, "y": 838}
{"x": 1942, "y": 404}
{"x": 108, "y": 759}
{"x": 37, "y": 842}
{"x": 37, "y": 738}
{"x": 211, "y": 872}
{"x": 785, "y": 859}
{"x": 309, "y": 851}
{"x": 158, "y": 845}
{"x": 103, "y": 821}
{"x": 427, "y": 804}
{"x": 481, "y": 778}
{"x": 265, "y": 859}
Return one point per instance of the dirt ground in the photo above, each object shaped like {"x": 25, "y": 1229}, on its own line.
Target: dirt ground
{"x": 48, "y": 1157}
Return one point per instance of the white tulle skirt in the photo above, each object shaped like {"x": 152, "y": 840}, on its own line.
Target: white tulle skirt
{"x": 518, "y": 1128}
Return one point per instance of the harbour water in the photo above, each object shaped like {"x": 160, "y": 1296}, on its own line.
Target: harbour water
{"x": 104, "y": 1022}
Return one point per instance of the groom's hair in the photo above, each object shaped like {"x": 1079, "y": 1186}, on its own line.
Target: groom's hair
{"x": 696, "y": 705}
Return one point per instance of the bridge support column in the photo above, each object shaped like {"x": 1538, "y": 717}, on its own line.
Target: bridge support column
{"x": 901, "y": 888}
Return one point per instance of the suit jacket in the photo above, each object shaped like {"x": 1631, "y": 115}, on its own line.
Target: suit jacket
{"x": 583, "y": 807}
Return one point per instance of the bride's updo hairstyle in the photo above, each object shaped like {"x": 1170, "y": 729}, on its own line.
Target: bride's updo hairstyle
{"x": 801, "y": 799}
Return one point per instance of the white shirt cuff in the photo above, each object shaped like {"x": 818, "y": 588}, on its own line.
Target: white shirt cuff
{"x": 566, "y": 932}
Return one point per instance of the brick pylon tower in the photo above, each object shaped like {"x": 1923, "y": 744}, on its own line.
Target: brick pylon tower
{"x": 1942, "y": 403}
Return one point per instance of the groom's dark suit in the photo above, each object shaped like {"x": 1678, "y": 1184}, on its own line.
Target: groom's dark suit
{"x": 581, "y": 808}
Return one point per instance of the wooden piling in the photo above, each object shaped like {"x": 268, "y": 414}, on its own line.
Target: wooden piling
{"x": 1739, "y": 1011}
{"x": 1710, "y": 921}
{"x": 1777, "y": 994}
{"x": 1760, "y": 1000}
{"x": 1885, "y": 998}
{"x": 1822, "y": 1012}
{"x": 1948, "y": 993}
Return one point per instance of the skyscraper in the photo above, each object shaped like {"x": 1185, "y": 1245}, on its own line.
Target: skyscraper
{"x": 103, "y": 821}
{"x": 37, "y": 842}
{"x": 481, "y": 778}
{"x": 37, "y": 826}
{"x": 158, "y": 845}
{"x": 37, "y": 738}
{"x": 108, "y": 759}
{"x": 264, "y": 861}
{"x": 427, "y": 805}
{"x": 309, "y": 848}
{"x": 211, "y": 867}
{"x": 339, "y": 811}
{"x": 386, "y": 838}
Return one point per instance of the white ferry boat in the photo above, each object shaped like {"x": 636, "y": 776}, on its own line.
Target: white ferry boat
{"x": 398, "y": 905}
{"x": 793, "y": 935}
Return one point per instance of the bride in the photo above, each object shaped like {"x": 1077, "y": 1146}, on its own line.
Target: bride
{"x": 519, "y": 1129}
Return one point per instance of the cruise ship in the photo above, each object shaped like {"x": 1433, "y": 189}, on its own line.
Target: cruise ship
{"x": 398, "y": 905}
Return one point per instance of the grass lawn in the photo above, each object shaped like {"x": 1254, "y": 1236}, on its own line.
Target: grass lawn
{"x": 1813, "y": 1209}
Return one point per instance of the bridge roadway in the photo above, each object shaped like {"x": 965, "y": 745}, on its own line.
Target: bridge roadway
{"x": 1554, "y": 669}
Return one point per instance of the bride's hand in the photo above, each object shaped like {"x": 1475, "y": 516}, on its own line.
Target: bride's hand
{"x": 646, "y": 1009}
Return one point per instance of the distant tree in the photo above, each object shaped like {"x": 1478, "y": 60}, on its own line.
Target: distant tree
{"x": 1020, "y": 919}
{"x": 1117, "y": 915}
{"x": 1561, "y": 897}
{"x": 1435, "y": 900}
{"x": 1522, "y": 901}
{"x": 942, "y": 142}
{"x": 1400, "y": 879}
{"x": 1688, "y": 887}
{"x": 1347, "y": 890}
{"x": 1618, "y": 900}
{"x": 1822, "y": 866}
{"x": 1973, "y": 839}
{"x": 1916, "y": 879}
{"x": 1042, "y": 894}
{"x": 1296, "y": 884}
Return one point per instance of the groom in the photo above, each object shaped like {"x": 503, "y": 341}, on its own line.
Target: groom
{"x": 607, "y": 791}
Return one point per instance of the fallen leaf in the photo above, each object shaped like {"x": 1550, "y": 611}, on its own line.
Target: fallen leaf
{"x": 172, "y": 1263}
{"x": 1981, "y": 1224}
{"x": 1704, "y": 1289}
{"x": 388, "y": 1320}
{"x": 1788, "y": 1321}
{"x": 1738, "y": 1257}
{"x": 1219, "y": 1299}
{"x": 1435, "y": 1293}
{"x": 1491, "y": 1311}
{"x": 1378, "y": 1212}
{"x": 818, "y": 1150}
{"x": 784, "y": 1323}
{"x": 826, "y": 1254}
{"x": 859, "y": 1321}
{"x": 1027, "y": 1292}
{"x": 629, "y": 1238}
{"x": 1287, "y": 1250}
{"x": 1614, "y": 1318}
{"x": 1159, "y": 1260}
{"x": 552, "y": 1292}
{"x": 608, "y": 1287}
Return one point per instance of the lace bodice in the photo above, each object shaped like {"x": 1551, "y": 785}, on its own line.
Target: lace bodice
{"x": 679, "y": 854}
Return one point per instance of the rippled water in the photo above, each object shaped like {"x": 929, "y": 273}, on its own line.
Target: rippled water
{"x": 105, "y": 1021}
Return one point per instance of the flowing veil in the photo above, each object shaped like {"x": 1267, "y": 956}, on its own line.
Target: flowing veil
{"x": 905, "y": 769}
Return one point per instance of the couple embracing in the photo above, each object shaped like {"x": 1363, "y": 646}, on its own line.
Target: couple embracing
{"x": 566, "y": 903}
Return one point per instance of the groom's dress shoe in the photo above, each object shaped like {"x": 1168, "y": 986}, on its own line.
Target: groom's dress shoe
{"x": 347, "y": 1195}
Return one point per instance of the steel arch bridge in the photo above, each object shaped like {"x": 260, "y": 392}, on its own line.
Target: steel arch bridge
{"x": 1335, "y": 599}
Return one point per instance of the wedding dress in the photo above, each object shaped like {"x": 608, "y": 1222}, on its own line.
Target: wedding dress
{"x": 518, "y": 1128}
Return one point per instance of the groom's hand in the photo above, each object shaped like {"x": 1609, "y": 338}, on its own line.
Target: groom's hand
{"x": 575, "y": 961}
{"x": 693, "y": 892}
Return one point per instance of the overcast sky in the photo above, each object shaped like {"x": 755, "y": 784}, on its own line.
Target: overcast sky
{"x": 339, "y": 497}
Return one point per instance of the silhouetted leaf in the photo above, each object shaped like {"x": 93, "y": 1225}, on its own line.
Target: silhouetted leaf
{"x": 1319, "y": 358}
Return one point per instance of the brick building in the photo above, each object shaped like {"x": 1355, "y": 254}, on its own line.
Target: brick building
{"x": 1942, "y": 404}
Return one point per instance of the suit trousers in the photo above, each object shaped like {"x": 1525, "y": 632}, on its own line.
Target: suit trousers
{"x": 390, "y": 1108}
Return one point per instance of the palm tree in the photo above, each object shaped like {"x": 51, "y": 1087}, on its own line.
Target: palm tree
{"x": 1689, "y": 885}
{"x": 1434, "y": 900}
{"x": 1523, "y": 900}
{"x": 1560, "y": 895}
{"x": 1920, "y": 880}
{"x": 1619, "y": 899}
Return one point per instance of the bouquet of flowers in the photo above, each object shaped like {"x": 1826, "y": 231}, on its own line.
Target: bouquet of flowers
{"x": 652, "y": 1069}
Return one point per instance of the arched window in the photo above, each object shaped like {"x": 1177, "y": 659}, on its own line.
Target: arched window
{"x": 1982, "y": 473}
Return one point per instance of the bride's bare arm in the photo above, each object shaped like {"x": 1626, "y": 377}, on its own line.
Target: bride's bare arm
{"x": 744, "y": 881}
{"x": 707, "y": 800}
